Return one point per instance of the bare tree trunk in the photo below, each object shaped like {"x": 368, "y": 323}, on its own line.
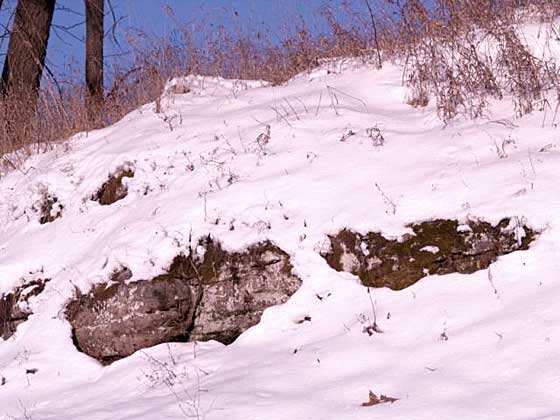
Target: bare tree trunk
{"x": 0, "y": 4}
{"x": 374, "y": 26}
{"x": 94, "y": 57}
{"x": 27, "y": 50}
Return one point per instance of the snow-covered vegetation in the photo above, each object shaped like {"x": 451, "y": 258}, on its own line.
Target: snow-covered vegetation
{"x": 273, "y": 172}
{"x": 245, "y": 162}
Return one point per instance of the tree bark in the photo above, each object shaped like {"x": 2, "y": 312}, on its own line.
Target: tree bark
{"x": 94, "y": 58}
{"x": 27, "y": 49}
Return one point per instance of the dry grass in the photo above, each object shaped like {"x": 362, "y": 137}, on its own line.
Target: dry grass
{"x": 465, "y": 53}
{"x": 234, "y": 53}
{"x": 440, "y": 47}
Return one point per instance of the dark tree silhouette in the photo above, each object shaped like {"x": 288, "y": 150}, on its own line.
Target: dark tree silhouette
{"x": 94, "y": 57}
{"x": 25, "y": 58}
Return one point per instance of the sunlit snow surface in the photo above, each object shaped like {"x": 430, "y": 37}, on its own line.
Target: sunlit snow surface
{"x": 452, "y": 347}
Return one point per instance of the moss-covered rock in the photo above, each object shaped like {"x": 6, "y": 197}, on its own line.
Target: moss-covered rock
{"x": 436, "y": 247}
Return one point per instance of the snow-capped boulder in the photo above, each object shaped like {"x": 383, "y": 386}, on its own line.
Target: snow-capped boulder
{"x": 14, "y": 306}
{"x": 238, "y": 287}
{"x": 208, "y": 294}
{"x": 116, "y": 319}
{"x": 436, "y": 247}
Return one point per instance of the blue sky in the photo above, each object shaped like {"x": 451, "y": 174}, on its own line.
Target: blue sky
{"x": 66, "y": 50}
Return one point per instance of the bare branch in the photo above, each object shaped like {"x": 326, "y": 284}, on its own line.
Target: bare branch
{"x": 374, "y": 26}
{"x": 115, "y": 22}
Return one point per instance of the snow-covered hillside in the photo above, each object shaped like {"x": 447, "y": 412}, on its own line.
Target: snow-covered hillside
{"x": 342, "y": 149}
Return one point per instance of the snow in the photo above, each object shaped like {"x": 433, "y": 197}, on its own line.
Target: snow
{"x": 479, "y": 346}
{"x": 430, "y": 248}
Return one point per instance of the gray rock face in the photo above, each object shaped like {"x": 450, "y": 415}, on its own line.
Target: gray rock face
{"x": 14, "y": 307}
{"x": 437, "y": 247}
{"x": 215, "y": 296}
{"x": 238, "y": 287}
{"x": 119, "y": 319}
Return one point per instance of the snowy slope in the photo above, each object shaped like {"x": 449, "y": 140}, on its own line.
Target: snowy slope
{"x": 199, "y": 169}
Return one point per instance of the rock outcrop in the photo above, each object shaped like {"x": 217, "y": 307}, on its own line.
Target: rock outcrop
{"x": 209, "y": 294}
{"x": 14, "y": 306}
{"x": 238, "y": 287}
{"x": 119, "y": 318}
{"x": 113, "y": 189}
{"x": 49, "y": 208}
{"x": 436, "y": 247}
